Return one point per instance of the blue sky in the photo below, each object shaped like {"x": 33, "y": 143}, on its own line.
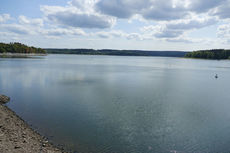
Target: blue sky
{"x": 117, "y": 24}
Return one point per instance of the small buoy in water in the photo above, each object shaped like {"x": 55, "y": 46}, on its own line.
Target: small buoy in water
{"x": 216, "y": 76}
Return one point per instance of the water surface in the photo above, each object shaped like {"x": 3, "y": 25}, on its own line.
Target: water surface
{"x": 105, "y": 104}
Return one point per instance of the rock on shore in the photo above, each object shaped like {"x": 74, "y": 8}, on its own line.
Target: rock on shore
{"x": 16, "y": 136}
{"x": 4, "y": 99}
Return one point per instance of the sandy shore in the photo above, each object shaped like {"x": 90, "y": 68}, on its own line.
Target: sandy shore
{"x": 16, "y": 136}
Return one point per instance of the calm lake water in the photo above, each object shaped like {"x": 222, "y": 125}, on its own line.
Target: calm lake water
{"x": 111, "y": 104}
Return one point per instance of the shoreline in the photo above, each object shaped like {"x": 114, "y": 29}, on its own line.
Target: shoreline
{"x": 20, "y": 55}
{"x": 16, "y": 136}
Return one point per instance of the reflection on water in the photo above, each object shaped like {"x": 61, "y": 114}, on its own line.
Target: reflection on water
{"x": 122, "y": 104}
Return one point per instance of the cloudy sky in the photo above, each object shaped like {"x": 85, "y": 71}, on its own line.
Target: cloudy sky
{"x": 117, "y": 24}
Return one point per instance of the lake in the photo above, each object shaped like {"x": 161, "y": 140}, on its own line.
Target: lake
{"x": 114, "y": 104}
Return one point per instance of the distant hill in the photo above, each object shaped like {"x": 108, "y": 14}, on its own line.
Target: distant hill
{"x": 19, "y": 48}
{"x": 116, "y": 52}
{"x": 210, "y": 54}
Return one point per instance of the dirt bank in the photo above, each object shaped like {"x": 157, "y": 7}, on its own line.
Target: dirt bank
{"x": 17, "y": 137}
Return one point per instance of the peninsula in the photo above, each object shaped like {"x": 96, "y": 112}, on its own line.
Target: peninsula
{"x": 19, "y": 50}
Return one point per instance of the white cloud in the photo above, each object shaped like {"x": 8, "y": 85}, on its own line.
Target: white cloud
{"x": 136, "y": 36}
{"x": 195, "y": 22}
{"x": 223, "y": 33}
{"x": 164, "y": 10}
{"x": 223, "y": 10}
{"x": 121, "y": 8}
{"x": 161, "y": 31}
{"x": 161, "y": 10}
{"x": 204, "y": 5}
{"x": 149, "y": 9}
{"x": 7, "y": 34}
{"x": 61, "y": 32}
{"x": 224, "y": 30}
{"x": 184, "y": 39}
{"x": 35, "y": 26}
{"x": 23, "y": 26}
{"x": 177, "y": 28}
{"x": 102, "y": 34}
{"x": 35, "y": 22}
{"x": 86, "y": 6}
{"x": 118, "y": 34}
{"x": 74, "y": 17}
{"x": 15, "y": 28}
{"x": 4, "y": 17}
{"x": 110, "y": 34}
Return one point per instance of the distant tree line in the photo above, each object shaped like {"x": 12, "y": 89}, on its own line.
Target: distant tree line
{"x": 19, "y": 48}
{"x": 210, "y": 54}
{"x": 117, "y": 52}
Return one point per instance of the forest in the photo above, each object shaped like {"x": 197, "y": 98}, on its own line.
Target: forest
{"x": 20, "y": 48}
{"x": 116, "y": 52}
{"x": 202, "y": 54}
{"x": 210, "y": 54}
